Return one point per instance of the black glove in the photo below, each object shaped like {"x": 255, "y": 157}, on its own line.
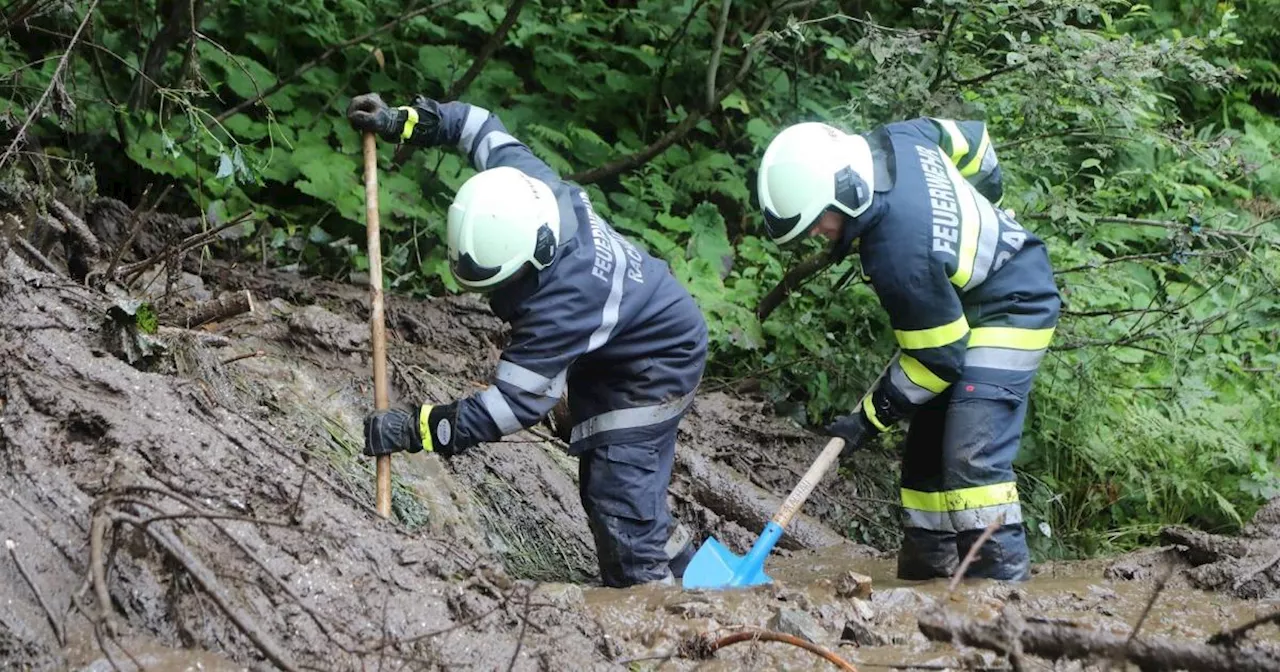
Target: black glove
{"x": 416, "y": 124}
{"x": 854, "y": 429}
{"x": 400, "y": 428}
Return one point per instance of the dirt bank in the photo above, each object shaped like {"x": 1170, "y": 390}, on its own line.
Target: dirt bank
{"x": 195, "y": 497}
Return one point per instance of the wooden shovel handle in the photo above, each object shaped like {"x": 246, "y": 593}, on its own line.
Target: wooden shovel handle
{"x": 811, "y": 478}
{"x": 377, "y": 326}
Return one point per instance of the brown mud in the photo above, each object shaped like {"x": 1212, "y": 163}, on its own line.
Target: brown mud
{"x": 195, "y": 499}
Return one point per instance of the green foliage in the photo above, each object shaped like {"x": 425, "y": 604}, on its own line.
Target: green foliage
{"x": 1160, "y": 402}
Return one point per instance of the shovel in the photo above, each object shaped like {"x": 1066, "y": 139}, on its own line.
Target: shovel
{"x": 377, "y": 327}
{"x": 714, "y": 566}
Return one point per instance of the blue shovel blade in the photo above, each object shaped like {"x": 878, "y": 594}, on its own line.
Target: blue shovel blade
{"x": 715, "y": 566}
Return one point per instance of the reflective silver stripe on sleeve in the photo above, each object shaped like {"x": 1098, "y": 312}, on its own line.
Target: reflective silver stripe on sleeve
{"x": 1007, "y": 359}
{"x": 476, "y": 117}
{"x": 988, "y": 240}
{"x": 529, "y": 381}
{"x": 914, "y": 393}
{"x": 496, "y": 404}
{"x": 609, "y": 315}
{"x": 491, "y": 142}
{"x": 631, "y": 418}
{"x": 978, "y": 519}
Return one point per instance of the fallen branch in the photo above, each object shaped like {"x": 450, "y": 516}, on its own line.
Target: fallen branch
{"x": 793, "y": 280}
{"x": 48, "y": 611}
{"x": 136, "y": 220}
{"x": 703, "y": 646}
{"x": 77, "y": 227}
{"x": 1059, "y": 641}
{"x": 228, "y": 305}
{"x": 36, "y": 256}
{"x": 208, "y": 582}
{"x": 53, "y": 84}
{"x": 130, "y": 272}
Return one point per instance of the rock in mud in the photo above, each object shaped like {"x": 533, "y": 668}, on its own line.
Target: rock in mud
{"x": 853, "y": 584}
{"x": 799, "y": 624}
{"x": 860, "y": 633}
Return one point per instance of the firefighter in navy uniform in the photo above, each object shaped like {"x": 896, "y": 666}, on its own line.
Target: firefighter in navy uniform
{"x": 587, "y": 309}
{"x": 973, "y": 305}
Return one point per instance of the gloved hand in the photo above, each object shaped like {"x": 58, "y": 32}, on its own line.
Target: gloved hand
{"x": 416, "y": 124}
{"x": 400, "y": 428}
{"x": 854, "y": 429}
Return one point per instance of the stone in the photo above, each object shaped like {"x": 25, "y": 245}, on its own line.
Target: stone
{"x": 799, "y": 624}
{"x": 861, "y": 634}
{"x": 853, "y": 584}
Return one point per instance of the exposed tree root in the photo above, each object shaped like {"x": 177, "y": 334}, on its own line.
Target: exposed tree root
{"x": 703, "y": 646}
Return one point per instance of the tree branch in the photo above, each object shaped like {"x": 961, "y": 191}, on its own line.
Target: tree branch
{"x": 671, "y": 45}
{"x": 721, "y": 23}
{"x": 53, "y": 83}
{"x": 988, "y": 75}
{"x": 792, "y": 280}
{"x": 942, "y": 50}
{"x": 405, "y": 152}
{"x": 672, "y": 136}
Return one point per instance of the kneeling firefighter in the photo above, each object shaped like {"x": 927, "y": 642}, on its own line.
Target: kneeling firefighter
{"x": 587, "y": 310}
{"x": 971, "y": 298}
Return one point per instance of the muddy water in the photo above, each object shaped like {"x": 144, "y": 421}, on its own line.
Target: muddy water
{"x": 136, "y": 653}
{"x": 651, "y": 621}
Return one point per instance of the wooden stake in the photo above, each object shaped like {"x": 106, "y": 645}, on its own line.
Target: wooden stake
{"x": 377, "y": 326}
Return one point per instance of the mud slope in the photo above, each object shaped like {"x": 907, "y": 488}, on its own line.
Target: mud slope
{"x": 225, "y": 510}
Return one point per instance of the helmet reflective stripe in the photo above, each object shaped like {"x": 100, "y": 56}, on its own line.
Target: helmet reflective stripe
{"x": 500, "y": 221}
{"x": 808, "y": 168}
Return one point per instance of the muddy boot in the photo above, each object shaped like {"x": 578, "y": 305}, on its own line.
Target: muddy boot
{"x": 927, "y": 555}
{"x": 1004, "y": 557}
{"x": 679, "y": 550}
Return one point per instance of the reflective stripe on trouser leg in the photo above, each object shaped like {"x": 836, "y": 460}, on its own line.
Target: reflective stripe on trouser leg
{"x": 980, "y": 441}
{"x": 624, "y": 493}
{"x": 926, "y": 553}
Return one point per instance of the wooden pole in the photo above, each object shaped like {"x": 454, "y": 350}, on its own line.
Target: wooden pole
{"x": 377, "y": 326}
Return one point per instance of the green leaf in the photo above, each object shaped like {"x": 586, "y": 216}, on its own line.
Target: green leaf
{"x": 735, "y": 101}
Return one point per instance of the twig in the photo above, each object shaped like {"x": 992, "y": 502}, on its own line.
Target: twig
{"x": 77, "y": 226}
{"x": 722, "y": 22}
{"x": 137, "y": 221}
{"x": 973, "y": 553}
{"x": 672, "y": 136}
{"x": 988, "y": 75}
{"x": 1142, "y": 618}
{"x": 208, "y": 582}
{"x": 524, "y": 625}
{"x": 247, "y": 355}
{"x": 791, "y": 281}
{"x": 35, "y": 255}
{"x": 1232, "y": 636}
{"x": 130, "y": 272}
{"x": 98, "y": 569}
{"x": 53, "y": 83}
{"x": 942, "y": 50}
{"x": 302, "y": 69}
{"x": 770, "y": 636}
{"x": 48, "y": 612}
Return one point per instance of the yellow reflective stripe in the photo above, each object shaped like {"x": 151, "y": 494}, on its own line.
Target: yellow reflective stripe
{"x": 974, "y": 164}
{"x": 920, "y": 375}
{"x": 970, "y": 223}
{"x": 1010, "y": 337}
{"x": 936, "y": 337}
{"x": 959, "y": 145}
{"x": 409, "y": 122}
{"x": 962, "y": 499}
{"x": 869, "y": 410}
{"x": 424, "y": 429}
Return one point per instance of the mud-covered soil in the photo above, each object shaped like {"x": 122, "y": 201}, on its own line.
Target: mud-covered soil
{"x": 195, "y": 499}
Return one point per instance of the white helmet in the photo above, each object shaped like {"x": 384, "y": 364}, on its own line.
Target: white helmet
{"x": 808, "y": 168}
{"x": 500, "y": 220}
